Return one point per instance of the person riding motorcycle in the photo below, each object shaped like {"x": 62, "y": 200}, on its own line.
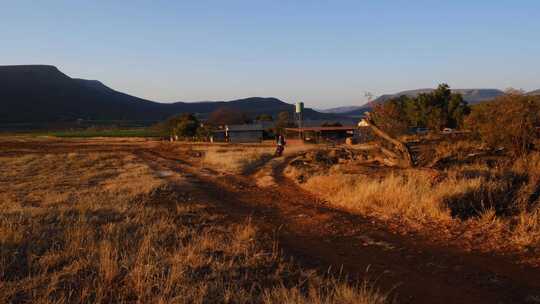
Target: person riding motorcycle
{"x": 280, "y": 141}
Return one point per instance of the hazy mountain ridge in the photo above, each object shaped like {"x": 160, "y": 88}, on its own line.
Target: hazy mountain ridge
{"x": 41, "y": 93}
{"x": 472, "y": 96}
{"x": 339, "y": 110}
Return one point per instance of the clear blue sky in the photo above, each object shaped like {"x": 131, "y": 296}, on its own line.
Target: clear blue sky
{"x": 326, "y": 53}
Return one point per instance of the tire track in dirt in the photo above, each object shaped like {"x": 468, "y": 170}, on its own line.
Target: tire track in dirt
{"x": 323, "y": 238}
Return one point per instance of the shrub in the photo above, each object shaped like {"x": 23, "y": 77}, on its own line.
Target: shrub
{"x": 509, "y": 122}
{"x": 183, "y": 125}
{"x": 391, "y": 117}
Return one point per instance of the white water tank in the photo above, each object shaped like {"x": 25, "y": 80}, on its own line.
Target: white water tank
{"x": 299, "y": 107}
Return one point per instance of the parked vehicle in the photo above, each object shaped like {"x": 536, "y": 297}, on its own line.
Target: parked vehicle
{"x": 448, "y": 130}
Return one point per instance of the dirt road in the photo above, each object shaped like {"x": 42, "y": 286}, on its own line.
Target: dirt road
{"x": 326, "y": 238}
{"x": 416, "y": 270}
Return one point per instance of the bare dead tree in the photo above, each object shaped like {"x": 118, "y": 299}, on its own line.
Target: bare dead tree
{"x": 402, "y": 156}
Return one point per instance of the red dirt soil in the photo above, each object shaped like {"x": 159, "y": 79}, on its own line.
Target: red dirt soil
{"x": 414, "y": 269}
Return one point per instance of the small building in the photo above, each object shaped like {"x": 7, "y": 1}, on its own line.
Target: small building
{"x": 268, "y": 128}
{"x": 332, "y": 134}
{"x": 363, "y": 132}
{"x": 244, "y": 133}
{"x": 218, "y": 136}
{"x": 363, "y": 123}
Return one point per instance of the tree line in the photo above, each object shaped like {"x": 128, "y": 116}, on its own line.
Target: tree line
{"x": 435, "y": 110}
{"x": 188, "y": 126}
{"x": 510, "y": 121}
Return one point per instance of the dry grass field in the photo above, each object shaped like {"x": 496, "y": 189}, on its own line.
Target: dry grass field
{"x": 142, "y": 221}
{"x": 235, "y": 160}
{"x": 90, "y": 226}
{"x": 479, "y": 205}
{"x": 242, "y": 158}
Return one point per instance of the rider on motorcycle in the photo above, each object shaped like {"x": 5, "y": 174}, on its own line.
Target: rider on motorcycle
{"x": 280, "y": 141}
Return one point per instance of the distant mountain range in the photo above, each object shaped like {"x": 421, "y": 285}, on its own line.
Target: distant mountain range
{"x": 472, "y": 96}
{"x": 339, "y": 110}
{"x": 41, "y": 93}
{"x": 536, "y": 92}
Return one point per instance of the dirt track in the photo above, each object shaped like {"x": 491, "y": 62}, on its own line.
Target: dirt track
{"x": 416, "y": 270}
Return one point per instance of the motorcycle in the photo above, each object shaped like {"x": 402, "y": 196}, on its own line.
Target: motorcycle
{"x": 279, "y": 150}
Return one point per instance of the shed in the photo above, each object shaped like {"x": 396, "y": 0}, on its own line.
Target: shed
{"x": 218, "y": 136}
{"x": 244, "y": 133}
{"x": 336, "y": 134}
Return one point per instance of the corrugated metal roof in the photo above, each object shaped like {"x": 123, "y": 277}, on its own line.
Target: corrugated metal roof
{"x": 250, "y": 127}
{"x": 342, "y": 128}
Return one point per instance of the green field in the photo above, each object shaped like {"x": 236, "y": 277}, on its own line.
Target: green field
{"x": 88, "y": 133}
{"x": 139, "y": 132}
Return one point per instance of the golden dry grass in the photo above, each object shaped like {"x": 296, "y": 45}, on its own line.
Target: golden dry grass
{"x": 239, "y": 159}
{"x": 499, "y": 203}
{"x": 235, "y": 159}
{"x": 104, "y": 228}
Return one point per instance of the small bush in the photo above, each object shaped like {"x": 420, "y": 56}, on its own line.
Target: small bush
{"x": 509, "y": 122}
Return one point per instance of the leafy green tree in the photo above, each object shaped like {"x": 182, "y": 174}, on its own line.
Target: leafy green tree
{"x": 283, "y": 117}
{"x": 391, "y": 117}
{"x": 203, "y": 133}
{"x": 435, "y": 110}
{"x": 227, "y": 116}
{"x": 458, "y": 109}
{"x": 183, "y": 125}
{"x": 265, "y": 117}
{"x": 284, "y": 121}
{"x": 412, "y": 111}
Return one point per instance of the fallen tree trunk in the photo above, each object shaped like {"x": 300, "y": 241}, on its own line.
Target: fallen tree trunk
{"x": 389, "y": 153}
{"x": 390, "y": 162}
{"x": 403, "y": 150}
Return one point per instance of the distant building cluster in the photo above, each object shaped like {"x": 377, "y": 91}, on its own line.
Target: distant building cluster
{"x": 312, "y": 131}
